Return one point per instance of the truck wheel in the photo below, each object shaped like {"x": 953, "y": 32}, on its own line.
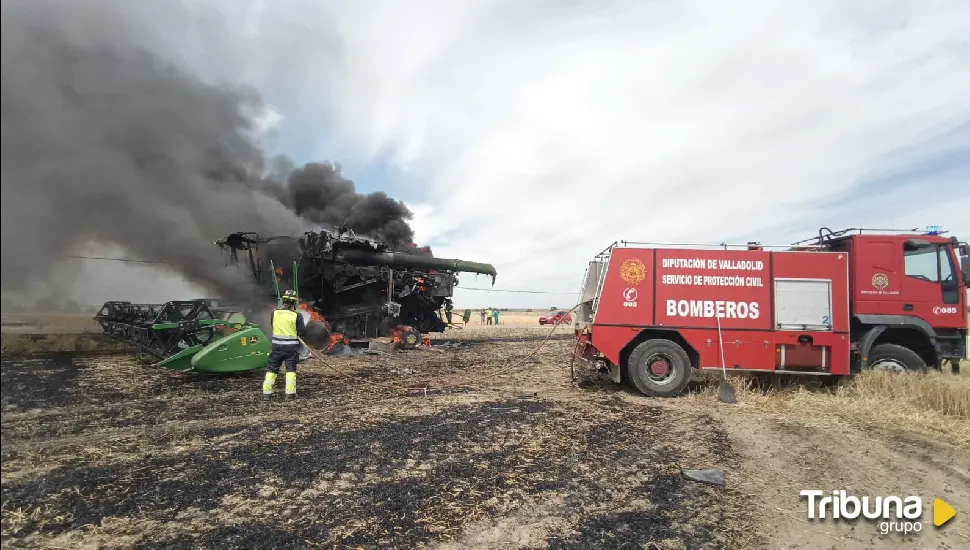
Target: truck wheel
{"x": 894, "y": 358}
{"x": 659, "y": 368}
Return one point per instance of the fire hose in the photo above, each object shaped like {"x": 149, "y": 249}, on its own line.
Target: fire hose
{"x": 511, "y": 368}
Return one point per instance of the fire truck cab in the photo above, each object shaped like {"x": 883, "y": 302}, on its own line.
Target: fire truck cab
{"x": 832, "y": 305}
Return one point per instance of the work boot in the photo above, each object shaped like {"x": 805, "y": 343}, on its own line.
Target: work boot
{"x": 268, "y": 384}
{"x": 291, "y": 385}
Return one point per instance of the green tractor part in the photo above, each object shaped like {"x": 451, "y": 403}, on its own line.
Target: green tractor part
{"x": 188, "y": 335}
{"x": 276, "y": 281}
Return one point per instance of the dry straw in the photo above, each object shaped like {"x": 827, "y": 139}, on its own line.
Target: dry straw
{"x": 935, "y": 404}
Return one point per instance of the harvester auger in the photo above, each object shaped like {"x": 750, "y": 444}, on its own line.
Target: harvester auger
{"x": 187, "y": 335}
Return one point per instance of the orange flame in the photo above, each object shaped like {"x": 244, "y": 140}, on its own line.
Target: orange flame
{"x": 420, "y": 283}
{"x": 336, "y": 338}
{"x": 315, "y": 316}
{"x": 399, "y": 335}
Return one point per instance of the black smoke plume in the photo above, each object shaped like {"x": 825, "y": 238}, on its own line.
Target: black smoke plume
{"x": 103, "y": 141}
{"x": 320, "y": 193}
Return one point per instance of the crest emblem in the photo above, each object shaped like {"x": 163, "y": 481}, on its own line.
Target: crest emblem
{"x": 633, "y": 271}
{"x": 880, "y": 281}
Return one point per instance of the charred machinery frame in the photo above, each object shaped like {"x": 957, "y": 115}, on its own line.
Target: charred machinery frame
{"x": 359, "y": 286}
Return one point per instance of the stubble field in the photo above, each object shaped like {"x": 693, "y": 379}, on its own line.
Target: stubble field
{"x": 487, "y": 441}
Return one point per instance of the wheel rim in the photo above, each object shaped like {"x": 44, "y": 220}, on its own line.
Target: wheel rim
{"x": 660, "y": 369}
{"x": 888, "y": 365}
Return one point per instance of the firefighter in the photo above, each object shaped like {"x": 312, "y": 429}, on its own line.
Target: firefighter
{"x": 449, "y": 308}
{"x": 288, "y": 328}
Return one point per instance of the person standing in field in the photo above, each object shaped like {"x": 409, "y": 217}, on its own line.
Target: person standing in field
{"x": 483, "y": 316}
{"x": 467, "y": 316}
{"x": 288, "y": 328}
{"x": 488, "y": 316}
{"x": 495, "y": 312}
{"x": 448, "y": 309}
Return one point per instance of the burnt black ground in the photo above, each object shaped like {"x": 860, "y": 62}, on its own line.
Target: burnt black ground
{"x": 49, "y": 381}
{"x": 106, "y": 451}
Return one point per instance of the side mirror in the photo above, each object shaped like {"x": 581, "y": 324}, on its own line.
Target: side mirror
{"x": 963, "y": 249}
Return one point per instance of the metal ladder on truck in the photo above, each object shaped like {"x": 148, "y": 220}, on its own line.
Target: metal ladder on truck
{"x": 592, "y": 289}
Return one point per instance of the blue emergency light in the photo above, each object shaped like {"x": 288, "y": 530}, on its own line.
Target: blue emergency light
{"x": 934, "y": 230}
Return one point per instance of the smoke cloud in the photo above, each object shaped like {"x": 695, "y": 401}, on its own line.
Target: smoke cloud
{"x": 105, "y": 142}
{"x": 319, "y": 193}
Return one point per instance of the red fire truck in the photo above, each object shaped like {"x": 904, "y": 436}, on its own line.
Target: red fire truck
{"x": 833, "y": 305}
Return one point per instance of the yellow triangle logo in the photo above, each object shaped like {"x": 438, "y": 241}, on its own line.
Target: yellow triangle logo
{"x": 942, "y": 512}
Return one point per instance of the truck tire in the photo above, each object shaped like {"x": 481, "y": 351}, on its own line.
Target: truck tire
{"x": 659, "y": 368}
{"x": 893, "y": 357}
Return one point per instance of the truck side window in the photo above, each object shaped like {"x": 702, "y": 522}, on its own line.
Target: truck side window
{"x": 923, "y": 263}
{"x": 946, "y": 267}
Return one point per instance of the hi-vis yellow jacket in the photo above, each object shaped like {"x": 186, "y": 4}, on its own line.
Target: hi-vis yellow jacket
{"x": 288, "y": 327}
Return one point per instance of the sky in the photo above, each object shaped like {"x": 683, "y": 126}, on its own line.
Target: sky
{"x": 532, "y": 134}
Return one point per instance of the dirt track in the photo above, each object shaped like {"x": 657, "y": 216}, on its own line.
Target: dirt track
{"x": 103, "y": 451}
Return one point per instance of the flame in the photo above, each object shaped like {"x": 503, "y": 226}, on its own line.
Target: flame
{"x": 398, "y": 335}
{"x": 315, "y": 316}
{"x": 420, "y": 284}
{"x": 336, "y": 338}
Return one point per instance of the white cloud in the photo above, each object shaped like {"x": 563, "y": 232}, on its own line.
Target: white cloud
{"x": 546, "y": 130}
{"x": 425, "y": 221}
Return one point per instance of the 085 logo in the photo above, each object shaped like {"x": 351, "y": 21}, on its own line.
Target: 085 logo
{"x": 944, "y": 310}
{"x": 630, "y": 297}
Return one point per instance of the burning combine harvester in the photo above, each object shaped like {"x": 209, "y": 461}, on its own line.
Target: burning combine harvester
{"x": 352, "y": 289}
{"x": 355, "y": 288}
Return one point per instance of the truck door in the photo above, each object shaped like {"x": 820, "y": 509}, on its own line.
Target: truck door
{"x": 931, "y": 287}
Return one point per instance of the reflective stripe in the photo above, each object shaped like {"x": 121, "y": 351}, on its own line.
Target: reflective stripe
{"x": 268, "y": 383}
{"x": 285, "y": 341}
{"x": 290, "y": 383}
